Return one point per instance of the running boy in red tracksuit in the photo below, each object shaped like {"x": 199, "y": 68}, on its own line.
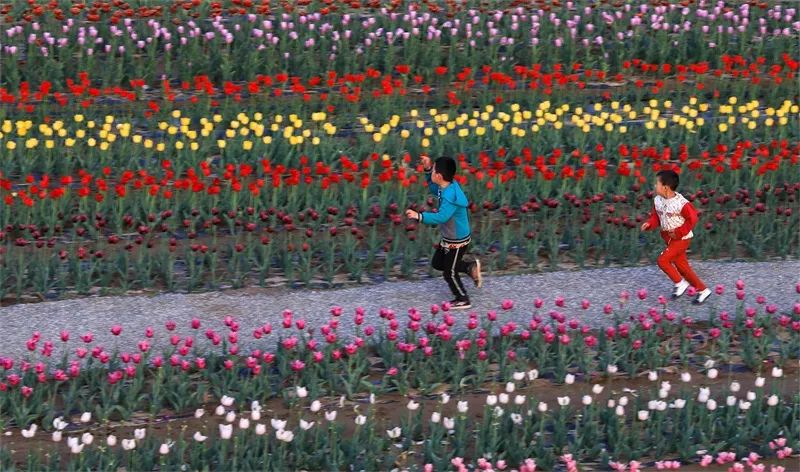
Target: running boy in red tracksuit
{"x": 677, "y": 217}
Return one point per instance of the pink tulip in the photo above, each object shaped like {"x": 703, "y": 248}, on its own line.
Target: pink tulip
{"x": 392, "y": 371}
{"x": 559, "y": 301}
{"x": 608, "y": 309}
{"x": 720, "y": 289}
{"x": 642, "y": 294}
{"x": 195, "y": 323}
{"x": 65, "y": 336}
{"x": 538, "y": 303}
{"x": 507, "y": 304}
{"x": 740, "y": 284}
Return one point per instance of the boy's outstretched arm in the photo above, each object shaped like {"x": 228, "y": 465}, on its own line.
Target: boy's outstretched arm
{"x": 691, "y": 218}
{"x": 446, "y": 210}
{"x": 652, "y": 222}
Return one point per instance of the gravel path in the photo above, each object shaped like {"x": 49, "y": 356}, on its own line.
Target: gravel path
{"x": 253, "y": 307}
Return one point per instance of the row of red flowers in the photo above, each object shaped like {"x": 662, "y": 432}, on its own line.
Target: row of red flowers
{"x": 559, "y": 164}
{"x": 378, "y": 83}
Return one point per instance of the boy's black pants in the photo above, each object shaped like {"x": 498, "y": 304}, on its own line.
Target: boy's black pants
{"x": 450, "y": 262}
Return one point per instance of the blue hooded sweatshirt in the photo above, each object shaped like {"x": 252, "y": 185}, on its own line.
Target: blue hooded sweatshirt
{"x": 453, "y": 215}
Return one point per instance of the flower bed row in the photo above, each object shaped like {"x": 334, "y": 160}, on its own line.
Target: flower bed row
{"x": 426, "y": 354}
{"x": 237, "y": 48}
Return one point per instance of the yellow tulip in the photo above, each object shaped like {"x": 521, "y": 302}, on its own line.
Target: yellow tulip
{"x": 404, "y": 134}
{"x": 217, "y": 118}
{"x": 377, "y": 137}
{"x": 69, "y": 142}
{"x": 247, "y": 145}
{"x": 425, "y": 142}
{"x": 221, "y": 143}
{"x": 160, "y": 147}
{"x": 91, "y": 142}
{"x": 78, "y": 118}
{"x": 723, "y": 127}
{"x": 751, "y": 125}
{"x": 463, "y": 133}
{"x": 11, "y": 145}
{"x": 315, "y": 141}
{"x": 267, "y": 139}
{"x": 194, "y": 146}
{"x": 104, "y": 146}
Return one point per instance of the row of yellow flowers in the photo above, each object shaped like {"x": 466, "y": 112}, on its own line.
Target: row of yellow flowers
{"x": 610, "y": 117}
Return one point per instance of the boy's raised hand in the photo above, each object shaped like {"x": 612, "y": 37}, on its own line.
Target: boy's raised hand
{"x": 425, "y": 161}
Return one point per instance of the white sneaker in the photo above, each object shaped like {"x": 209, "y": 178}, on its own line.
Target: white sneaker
{"x": 680, "y": 288}
{"x": 701, "y": 297}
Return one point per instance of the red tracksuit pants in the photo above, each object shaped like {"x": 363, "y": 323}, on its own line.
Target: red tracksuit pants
{"x": 674, "y": 263}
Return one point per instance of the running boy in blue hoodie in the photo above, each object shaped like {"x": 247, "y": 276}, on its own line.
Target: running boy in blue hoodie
{"x": 453, "y": 220}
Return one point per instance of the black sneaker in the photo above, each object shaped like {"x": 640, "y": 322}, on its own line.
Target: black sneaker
{"x": 475, "y": 273}
{"x": 460, "y": 305}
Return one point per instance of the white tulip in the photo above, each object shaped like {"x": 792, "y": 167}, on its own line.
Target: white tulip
{"x": 86, "y": 417}
{"x": 704, "y": 394}
{"x": 164, "y": 449}
{"x": 533, "y": 374}
{"x": 620, "y": 410}
{"x": 225, "y": 431}
{"x": 611, "y": 403}
{"x": 436, "y": 417}
{"x": 563, "y": 401}
{"x": 777, "y": 372}
{"x": 730, "y": 401}
{"x": 139, "y": 433}
{"x": 735, "y": 387}
{"x": 612, "y": 369}
{"x": 445, "y": 399}
{"x": 651, "y": 405}
{"x": 711, "y": 404}
{"x": 516, "y": 418}
{"x": 227, "y": 401}
{"x": 665, "y": 385}
{"x": 305, "y": 425}
{"x": 277, "y": 424}
{"x": 57, "y": 436}
{"x": 255, "y": 415}
{"x": 59, "y": 423}
{"x": 128, "y": 444}
{"x": 199, "y": 437}
{"x": 244, "y": 423}
{"x": 255, "y": 406}
{"x": 623, "y": 401}
{"x": 569, "y": 379}
{"x": 751, "y": 396}
{"x": 412, "y": 405}
{"x": 680, "y": 403}
{"x": 491, "y": 400}
{"x": 361, "y": 420}
{"x": 772, "y": 400}
{"x": 743, "y": 405}
{"x": 643, "y": 415}
{"x": 709, "y": 363}
{"x": 87, "y": 438}
{"x": 285, "y": 436}
{"x": 498, "y": 412}
{"x": 587, "y": 400}
{"x": 663, "y": 393}
{"x": 449, "y": 423}
{"x": 686, "y": 377}
{"x": 261, "y": 429}
{"x": 302, "y": 392}
{"x": 712, "y": 373}
{"x": 542, "y": 407}
{"x": 230, "y": 417}
{"x": 597, "y": 389}
{"x": 315, "y": 406}
{"x": 652, "y": 376}
{"x": 503, "y": 398}
{"x": 518, "y": 376}
{"x": 463, "y": 407}
{"x": 198, "y": 413}
{"x": 661, "y": 406}
{"x": 111, "y": 441}
{"x": 519, "y": 400}
{"x": 760, "y": 381}
{"x": 510, "y": 387}
{"x": 220, "y": 410}
{"x": 77, "y": 448}
{"x": 72, "y": 441}
{"x": 330, "y": 415}
{"x": 394, "y": 433}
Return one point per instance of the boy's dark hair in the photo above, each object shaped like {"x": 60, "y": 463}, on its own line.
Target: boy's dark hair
{"x": 669, "y": 178}
{"x": 446, "y": 167}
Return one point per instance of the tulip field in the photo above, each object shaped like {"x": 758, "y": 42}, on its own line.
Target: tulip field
{"x": 188, "y": 145}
